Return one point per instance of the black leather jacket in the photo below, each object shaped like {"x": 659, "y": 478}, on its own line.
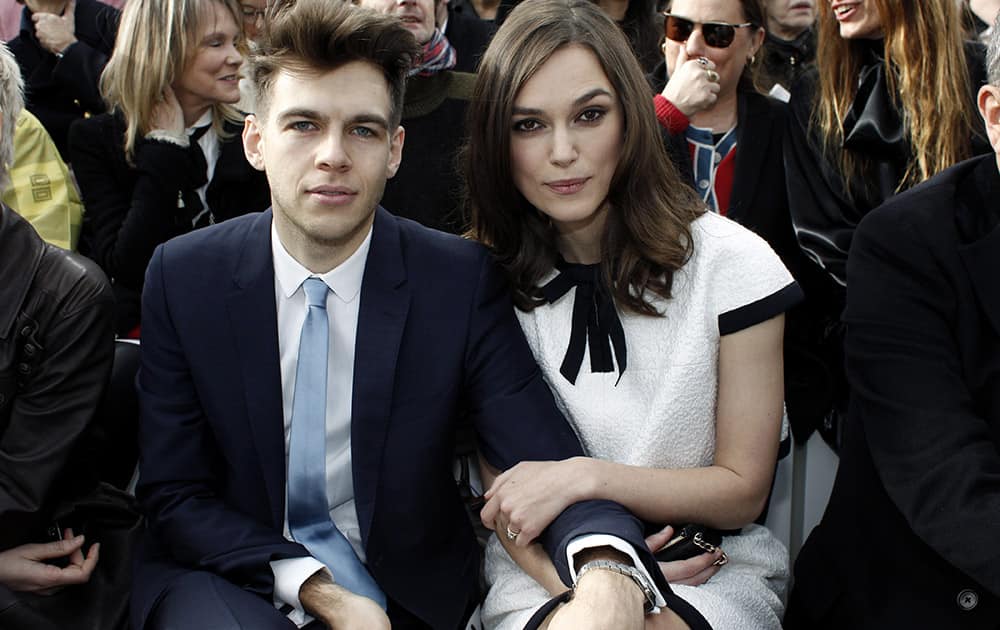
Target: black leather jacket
{"x": 56, "y": 348}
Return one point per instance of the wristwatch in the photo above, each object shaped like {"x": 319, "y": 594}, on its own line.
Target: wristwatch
{"x": 626, "y": 570}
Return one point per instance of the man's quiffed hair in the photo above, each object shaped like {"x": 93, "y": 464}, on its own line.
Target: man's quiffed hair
{"x": 11, "y": 104}
{"x": 316, "y": 36}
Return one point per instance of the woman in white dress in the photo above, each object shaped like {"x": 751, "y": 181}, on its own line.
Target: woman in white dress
{"x": 657, "y": 325}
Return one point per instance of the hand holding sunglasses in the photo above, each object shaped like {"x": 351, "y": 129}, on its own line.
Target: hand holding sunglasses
{"x": 715, "y": 34}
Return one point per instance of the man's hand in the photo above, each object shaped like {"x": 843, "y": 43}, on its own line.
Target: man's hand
{"x": 338, "y": 608}
{"x": 22, "y": 568}
{"x": 603, "y": 599}
{"x": 56, "y": 32}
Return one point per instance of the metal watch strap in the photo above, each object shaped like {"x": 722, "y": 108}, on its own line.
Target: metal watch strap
{"x": 623, "y": 569}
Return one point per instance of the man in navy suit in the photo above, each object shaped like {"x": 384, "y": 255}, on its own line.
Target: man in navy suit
{"x": 421, "y": 336}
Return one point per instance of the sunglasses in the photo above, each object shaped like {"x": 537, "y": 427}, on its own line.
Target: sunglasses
{"x": 716, "y": 34}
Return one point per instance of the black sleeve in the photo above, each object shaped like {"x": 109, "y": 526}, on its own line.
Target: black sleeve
{"x": 931, "y": 445}
{"x": 130, "y": 210}
{"x": 56, "y": 404}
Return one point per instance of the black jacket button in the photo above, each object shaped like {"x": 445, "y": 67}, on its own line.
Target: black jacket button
{"x": 968, "y": 599}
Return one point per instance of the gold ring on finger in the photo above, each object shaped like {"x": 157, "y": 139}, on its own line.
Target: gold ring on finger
{"x": 713, "y": 76}
{"x": 511, "y": 534}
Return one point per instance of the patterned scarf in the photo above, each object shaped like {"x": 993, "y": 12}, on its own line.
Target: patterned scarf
{"x": 438, "y": 55}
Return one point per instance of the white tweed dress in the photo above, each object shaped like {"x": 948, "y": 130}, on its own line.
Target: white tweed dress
{"x": 662, "y": 413}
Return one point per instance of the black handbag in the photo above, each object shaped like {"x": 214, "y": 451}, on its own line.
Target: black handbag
{"x": 691, "y": 540}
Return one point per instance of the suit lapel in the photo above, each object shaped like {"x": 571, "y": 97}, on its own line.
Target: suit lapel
{"x": 754, "y": 132}
{"x": 385, "y": 301}
{"x": 978, "y": 221}
{"x": 253, "y": 320}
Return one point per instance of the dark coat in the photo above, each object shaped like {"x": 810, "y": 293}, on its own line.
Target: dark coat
{"x": 909, "y": 538}
{"x": 427, "y": 187}
{"x": 56, "y": 345}
{"x": 60, "y": 91}
{"x": 132, "y": 209}
{"x": 430, "y": 355}
{"x": 469, "y": 35}
{"x": 783, "y": 61}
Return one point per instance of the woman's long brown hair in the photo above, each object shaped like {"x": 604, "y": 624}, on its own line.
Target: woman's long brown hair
{"x": 929, "y": 78}
{"x": 647, "y": 235}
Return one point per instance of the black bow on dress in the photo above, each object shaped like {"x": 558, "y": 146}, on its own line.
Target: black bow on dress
{"x": 595, "y": 320}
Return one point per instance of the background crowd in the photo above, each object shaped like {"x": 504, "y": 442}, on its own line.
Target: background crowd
{"x": 855, "y": 140}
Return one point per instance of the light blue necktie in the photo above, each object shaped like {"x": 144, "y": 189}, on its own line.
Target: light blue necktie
{"x": 308, "y": 510}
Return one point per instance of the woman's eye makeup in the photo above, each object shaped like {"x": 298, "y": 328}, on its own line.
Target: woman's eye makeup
{"x": 592, "y": 114}
{"x": 527, "y": 124}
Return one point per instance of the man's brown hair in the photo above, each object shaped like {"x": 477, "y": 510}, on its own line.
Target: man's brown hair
{"x": 316, "y": 36}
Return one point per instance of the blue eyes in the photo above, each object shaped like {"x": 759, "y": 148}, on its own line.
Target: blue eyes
{"x": 305, "y": 126}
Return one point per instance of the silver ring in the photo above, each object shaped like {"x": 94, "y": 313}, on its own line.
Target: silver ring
{"x": 511, "y": 534}
{"x": 712, "y": 75}
{"x": 703, "y": 61}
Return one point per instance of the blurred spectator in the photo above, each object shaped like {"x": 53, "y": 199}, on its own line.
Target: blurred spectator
{"x": 638, "y": 19}
{"x": 41, "y": 188}
{"x": 168, "y": 158}
{"x": 890, "y": 103}
{"x": 909, "y": 538}
{"x": 252, "y": 12}
{"x": 427, "y": 187}
{"x": 62, "y": 48}
{"x": 485, "y": 10}
{"x": 56, "y": 343}
{"x": 468, "y": 34}
{"x": 10, "y": 19}
{"x": 979, "y": 16}
{"x": 790, "y": 45}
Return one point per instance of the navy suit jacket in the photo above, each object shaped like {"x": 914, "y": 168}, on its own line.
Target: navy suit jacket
{"x": 437, "y": 344}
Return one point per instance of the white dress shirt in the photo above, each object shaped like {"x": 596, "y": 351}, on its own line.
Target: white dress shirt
{"x": 210, "y": 147}
{"x": 342, "y": 304}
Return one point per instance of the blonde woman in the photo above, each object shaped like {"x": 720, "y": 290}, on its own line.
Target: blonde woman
{"x": 167, "y": 159}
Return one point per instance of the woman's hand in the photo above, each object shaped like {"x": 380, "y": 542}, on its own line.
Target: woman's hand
{"x": 168, "y": 115}
{"x": 694, "y": 571}
{"x": 23, "y": 568}
{"x": 529, "y": 496}
{"x": 693, "y": 84}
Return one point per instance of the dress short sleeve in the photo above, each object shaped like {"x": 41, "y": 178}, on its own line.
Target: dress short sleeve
{"x": 748, "y": 283}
